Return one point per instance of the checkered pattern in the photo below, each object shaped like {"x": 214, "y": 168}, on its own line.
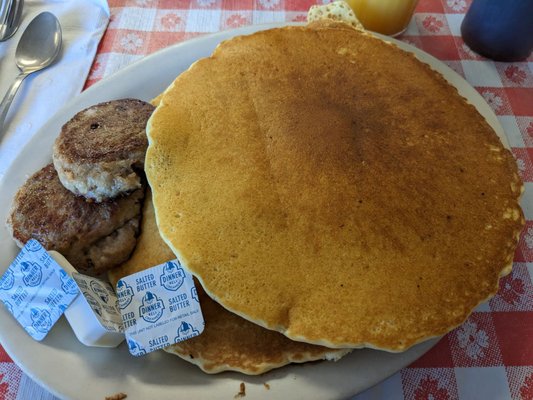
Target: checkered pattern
{"x": 491, "y": 355}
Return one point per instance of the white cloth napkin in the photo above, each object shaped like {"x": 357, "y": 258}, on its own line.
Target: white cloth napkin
{"x": 83, "y": 23}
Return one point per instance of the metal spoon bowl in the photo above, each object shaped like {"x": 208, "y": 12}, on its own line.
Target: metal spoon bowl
{"x": 38, "y": 48}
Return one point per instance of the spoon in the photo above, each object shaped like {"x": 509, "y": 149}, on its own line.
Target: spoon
{"x": 38, "y": 47}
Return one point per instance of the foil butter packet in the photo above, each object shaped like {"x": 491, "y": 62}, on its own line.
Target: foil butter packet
{"x": 159, "y": 307}
{"x": 36, "y": 290}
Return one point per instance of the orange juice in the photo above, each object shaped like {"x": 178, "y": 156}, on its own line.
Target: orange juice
{"x": 389, "y": 17}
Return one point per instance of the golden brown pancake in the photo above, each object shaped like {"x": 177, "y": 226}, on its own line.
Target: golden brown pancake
{"x": 330, "y": 186}
{"x": 228, "y": 342}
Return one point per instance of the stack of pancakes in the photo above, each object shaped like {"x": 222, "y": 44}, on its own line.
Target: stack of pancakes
{"x": 88, "y": 207}
{"x": 326, "y": 185}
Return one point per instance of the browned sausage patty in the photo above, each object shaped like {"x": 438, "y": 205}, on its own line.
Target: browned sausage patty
{"x": 93, "y": 236}
{"x": 100, "y": 151}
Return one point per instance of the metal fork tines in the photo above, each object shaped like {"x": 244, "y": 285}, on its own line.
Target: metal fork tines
{"x": 10, "y": 13}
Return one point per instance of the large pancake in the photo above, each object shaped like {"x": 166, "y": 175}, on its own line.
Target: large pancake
{"x": 228, "y": 342}
{"x": 330, "y": 186}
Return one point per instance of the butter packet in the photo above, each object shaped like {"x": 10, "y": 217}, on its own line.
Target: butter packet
{"x": 102, "y": 299}
{"x": 92, "y": 327}
{"x": 159, "y": 307}
{"x": 36, "y": 290}
{"x": 152, "y": 309}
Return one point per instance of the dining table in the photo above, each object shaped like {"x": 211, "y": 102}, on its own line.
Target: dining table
{"x": 489, "y": 356}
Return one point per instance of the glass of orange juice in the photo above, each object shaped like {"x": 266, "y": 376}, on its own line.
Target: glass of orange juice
{"x": 389, "y": 17}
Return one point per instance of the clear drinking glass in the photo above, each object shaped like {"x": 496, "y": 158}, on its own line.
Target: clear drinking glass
{"x": 389, "y": 17}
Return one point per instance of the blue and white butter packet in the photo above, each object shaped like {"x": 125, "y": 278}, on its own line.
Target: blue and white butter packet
{"x": 36, "y": 290}
{"x": 159, "y": 307}
{"x": 154, "y": 308}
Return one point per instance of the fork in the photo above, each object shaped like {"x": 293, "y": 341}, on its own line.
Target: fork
{"x": 10, "y": 13}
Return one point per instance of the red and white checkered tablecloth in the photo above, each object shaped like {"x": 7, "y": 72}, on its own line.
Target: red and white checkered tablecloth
{"x": 491, "y": 355}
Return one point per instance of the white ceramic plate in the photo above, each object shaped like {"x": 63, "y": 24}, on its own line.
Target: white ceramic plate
{"x": 70, "y": 370}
